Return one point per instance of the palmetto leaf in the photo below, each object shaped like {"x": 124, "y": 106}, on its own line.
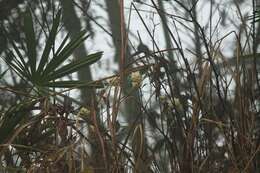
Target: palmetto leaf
{"x": 49, "y": 43}
{"x": 74, "y": 83}
{"x": 64, "y": 54}
{"x": 30, "y": 41}
{"x": 2, "y": 74}
{"x": 48, "y": 69}
{"x": 17, "y": 66}
{"x": 74, "y": 66}
{"x": 62, "y": 44}
{"x": 21, "y": 60}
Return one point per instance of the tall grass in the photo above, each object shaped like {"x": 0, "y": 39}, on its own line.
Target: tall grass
{"x": 198, "y": 114}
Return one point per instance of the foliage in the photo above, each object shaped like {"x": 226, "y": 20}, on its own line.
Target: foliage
{"x": 18, "y": 122}
{"x": 197, "y": 110}
{"x": 48, "y": 70}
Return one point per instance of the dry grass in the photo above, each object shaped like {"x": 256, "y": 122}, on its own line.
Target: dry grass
{"x": 200, "y": 116}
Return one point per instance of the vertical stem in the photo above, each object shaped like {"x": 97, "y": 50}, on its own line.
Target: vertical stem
{"x": 197, "y": 41}
{"x": 122, "y": 28}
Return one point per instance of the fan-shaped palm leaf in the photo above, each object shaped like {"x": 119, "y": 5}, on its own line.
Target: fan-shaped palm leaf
{"x": 49, "y": 69}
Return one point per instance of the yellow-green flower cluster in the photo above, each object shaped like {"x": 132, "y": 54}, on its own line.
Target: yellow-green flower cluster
{"x": 175, "y": 103}
{"x": 84, "y": 112}
{"x": 178, "y": 104}
{"x": 136, "y": 79}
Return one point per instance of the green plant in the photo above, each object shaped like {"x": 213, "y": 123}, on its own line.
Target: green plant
{"x": 49, "y": 69}
{"x": 43, "y": 75}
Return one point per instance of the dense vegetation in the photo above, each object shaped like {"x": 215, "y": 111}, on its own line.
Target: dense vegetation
{"x": 183, "y": 107}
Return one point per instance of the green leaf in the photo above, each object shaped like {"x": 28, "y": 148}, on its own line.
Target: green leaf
{"x": 50, "y": 42}
{"x": 62, "y": 45}
{"x": 46, "y": 72}
{"x": 10, "y": 58}
{"x": 70, "y": 84}
{"x": 2, "y": 74}
{"x": 75, "y": 66}
{"x": 17, "y": 67}
{"x": 65, "y": 53}
{"x": 30, "y": 40}
{"x": 21, "y": 58}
